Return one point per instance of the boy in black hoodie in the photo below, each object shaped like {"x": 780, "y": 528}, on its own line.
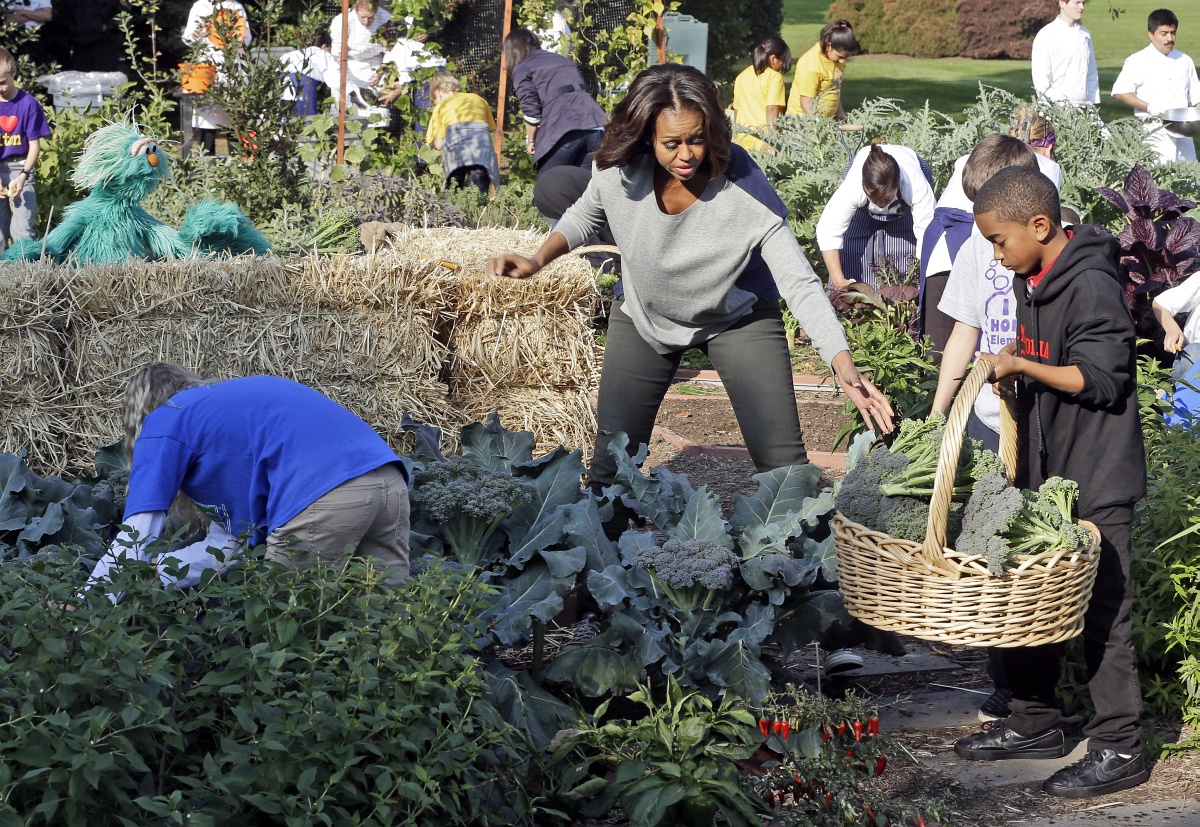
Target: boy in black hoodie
{"x": 1073, "y": 371}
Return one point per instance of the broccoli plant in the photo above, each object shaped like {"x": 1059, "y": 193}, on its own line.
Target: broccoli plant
{"x": 906, "y": 518}
{"x": 691, "y": 573}
{"x": 858, "y": 496}
{"x": 1000, "y": 521}
{"x": 468, "y": 502}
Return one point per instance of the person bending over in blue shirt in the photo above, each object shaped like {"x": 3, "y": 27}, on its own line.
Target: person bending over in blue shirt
{"x": 269, "y": 461}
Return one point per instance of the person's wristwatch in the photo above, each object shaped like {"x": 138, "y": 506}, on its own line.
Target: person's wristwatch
{"x": 29, "y": 174}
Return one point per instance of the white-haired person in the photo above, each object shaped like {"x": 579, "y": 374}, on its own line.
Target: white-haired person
{"x": 268, "y": 460}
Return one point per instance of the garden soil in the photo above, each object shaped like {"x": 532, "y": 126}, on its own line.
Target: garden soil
{"x": 709, "y": 420}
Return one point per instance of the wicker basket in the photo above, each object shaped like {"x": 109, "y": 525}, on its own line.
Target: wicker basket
{"x": 934, "y": 593}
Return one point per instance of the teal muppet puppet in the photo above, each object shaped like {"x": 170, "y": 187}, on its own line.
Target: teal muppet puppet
{"x": 120, "y": 167}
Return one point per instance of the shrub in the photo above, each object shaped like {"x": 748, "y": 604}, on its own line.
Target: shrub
{"x": 265, "y": 697}
{"x": 920, "y": 28}
{"x": 988, "y": 30}
{"x": 734, "y": 28}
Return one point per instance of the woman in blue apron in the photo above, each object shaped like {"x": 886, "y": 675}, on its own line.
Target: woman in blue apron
{"x": 876, "y": 216}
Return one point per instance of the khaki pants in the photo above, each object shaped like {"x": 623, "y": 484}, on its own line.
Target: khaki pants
{"x": 368, "y": 515}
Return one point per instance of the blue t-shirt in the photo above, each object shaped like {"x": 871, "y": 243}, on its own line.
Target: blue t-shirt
{"x": 252, "y": 453}
{"x": 21, "y": 120}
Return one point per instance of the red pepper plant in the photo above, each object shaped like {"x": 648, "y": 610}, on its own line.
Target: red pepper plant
{"x": 828, "y": 756}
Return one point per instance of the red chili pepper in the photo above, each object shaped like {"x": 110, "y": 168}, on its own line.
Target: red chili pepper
{"x": 782, "y": 729}
{"x": 920, "y": 821}
{"x": 872, "y": 726}
{"x": 771, "y": 799}
{"x": 841, "y": 730}
{"x": 849, "y": 753}
{"x": 858, "y": 727}
{"x": 880, "y": 763}
{"x": 828, "y": 800}
{"x": 764, "y": 726}
{"x": 826, "y": 731}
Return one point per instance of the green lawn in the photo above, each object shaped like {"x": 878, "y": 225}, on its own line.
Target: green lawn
{"x": 950, "y": 85}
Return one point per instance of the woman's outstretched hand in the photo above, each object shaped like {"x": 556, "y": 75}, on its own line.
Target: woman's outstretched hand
{"x": 510, "y": 266}
{"x": 875, "y": 409}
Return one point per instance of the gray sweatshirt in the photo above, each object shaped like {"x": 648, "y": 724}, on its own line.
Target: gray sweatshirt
{"x": 688, "y": 277}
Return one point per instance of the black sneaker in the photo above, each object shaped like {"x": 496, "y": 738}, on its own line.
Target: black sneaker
{"x": 1099, "y": 772}
{"x": 996, "y": 706}
{"x": 996, "y": 742}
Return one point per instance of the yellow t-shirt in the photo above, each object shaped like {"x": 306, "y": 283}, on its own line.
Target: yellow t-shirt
{"x": 816, "y": 77}
{"x": 459, "y": 107}
{"x": 752, "y": 94}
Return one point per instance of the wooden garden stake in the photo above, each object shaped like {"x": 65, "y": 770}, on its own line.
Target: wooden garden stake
{"x": 508, "y": 10}
{"x": 343, "y": 57}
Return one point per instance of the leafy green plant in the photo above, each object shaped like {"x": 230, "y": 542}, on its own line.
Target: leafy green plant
{"x": 674, "y": 766}
{"x": 268, "y": 695}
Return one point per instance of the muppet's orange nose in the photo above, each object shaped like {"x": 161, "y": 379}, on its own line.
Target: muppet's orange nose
{"x": 153, "y": 159}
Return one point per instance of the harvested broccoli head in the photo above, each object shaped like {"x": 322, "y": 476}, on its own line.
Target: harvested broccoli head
{"x": 690, "y": 572}
{"x": 469, "y": 502}
{"x": 1000, "y": 521}
{"x": 1062, "y": 493}
{"x": 52, "y": 560}
{"x": 907, "y": 518}
{"x": 858, "y": 495}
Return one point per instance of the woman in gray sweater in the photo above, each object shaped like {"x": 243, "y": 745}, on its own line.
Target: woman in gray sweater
{"x": 706, "y": 253}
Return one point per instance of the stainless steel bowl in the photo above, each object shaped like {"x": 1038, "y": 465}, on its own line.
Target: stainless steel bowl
{"x": 1184, "y": 122}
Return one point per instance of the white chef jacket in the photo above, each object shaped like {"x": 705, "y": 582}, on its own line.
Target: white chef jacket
{"x": 1163, "y": 82}
{"x": 1064, "y": 64}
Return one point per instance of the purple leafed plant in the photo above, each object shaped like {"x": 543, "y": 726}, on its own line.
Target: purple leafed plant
{"x": 1160, "y": 246}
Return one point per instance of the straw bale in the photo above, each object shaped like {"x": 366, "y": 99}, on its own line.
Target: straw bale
{"x": 549, "y": 349}
{"x": 309, "y": 348}
{"x": 564, "y": 418}
{"x": 31, "y": 361}
{"x": 392, "y": 279}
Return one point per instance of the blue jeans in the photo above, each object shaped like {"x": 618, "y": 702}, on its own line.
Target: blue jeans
{"x": 572, "y": 150}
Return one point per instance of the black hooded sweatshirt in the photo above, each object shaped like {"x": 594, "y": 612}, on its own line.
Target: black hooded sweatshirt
{"x": 1076, "y": 316}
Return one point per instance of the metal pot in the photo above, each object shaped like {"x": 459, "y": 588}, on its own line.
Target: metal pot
{"x": 1185, "y": 122}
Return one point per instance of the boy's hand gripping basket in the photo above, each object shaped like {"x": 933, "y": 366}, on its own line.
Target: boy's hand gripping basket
{"x": 934, "y": 593}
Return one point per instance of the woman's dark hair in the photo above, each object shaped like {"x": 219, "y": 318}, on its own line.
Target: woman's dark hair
{"x": 881, "y": 177}
{"x": 839, "y": 35}
{"x": 519, "y": 44}
{"x": 322, "y": 40}
{"x": 772, "y": 47}
{"x": 654, "y": 91}
{"x": 1161, "y": 17}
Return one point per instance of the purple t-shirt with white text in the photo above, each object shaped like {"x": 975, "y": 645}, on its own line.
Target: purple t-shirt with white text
{"x": 21, "y": 121}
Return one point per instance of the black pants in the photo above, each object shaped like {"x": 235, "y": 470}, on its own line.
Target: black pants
{"x": 752, "y": 359}
{"x": 1108, "y": 652}
{"x": 934, "y": 323}
{"x": 471, "y": 176}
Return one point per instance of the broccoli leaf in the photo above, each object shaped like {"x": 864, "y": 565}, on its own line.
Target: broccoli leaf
{"x": 585, "y": 528}
{"x": 493, "y": 446}
{"x": 702, "y": 520}
{"x": 566, "y": 563}
{"x": 38, "y": 528}
{"x": 780, "y": 493}
{"x": 632, "y": 543}
{"x": 629, "y": 477}
{"x": 736, "y": 664}
{"x": 610, "y": 587}
{"x": 534, "y": 594}
{"x": 613, "y": 661}
{"x": 524, "y": 704}
{"x": 542, "y": 522}
{"x": 16, "y": 476}
{"x": 111, "y": 460}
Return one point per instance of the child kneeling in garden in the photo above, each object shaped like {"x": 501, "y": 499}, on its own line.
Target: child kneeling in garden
{"x": 1072, "y": 369}
{"x": 461, "y": 126}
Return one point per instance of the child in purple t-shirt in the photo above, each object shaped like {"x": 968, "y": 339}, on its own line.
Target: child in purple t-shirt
{"x": 22, "y": 126}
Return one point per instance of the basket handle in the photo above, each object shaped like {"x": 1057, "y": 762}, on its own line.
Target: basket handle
{"x": 952, "y": 438}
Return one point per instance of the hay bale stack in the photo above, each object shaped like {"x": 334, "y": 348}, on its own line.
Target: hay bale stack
{"x": 410, "y": 329}
{"x": 523, "y": 348}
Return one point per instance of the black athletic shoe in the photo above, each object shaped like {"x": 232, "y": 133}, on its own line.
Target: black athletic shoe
{"x": 1099, "y": 772}
{"x": 996, "y": 706}
{"x": 996, "y": 742}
